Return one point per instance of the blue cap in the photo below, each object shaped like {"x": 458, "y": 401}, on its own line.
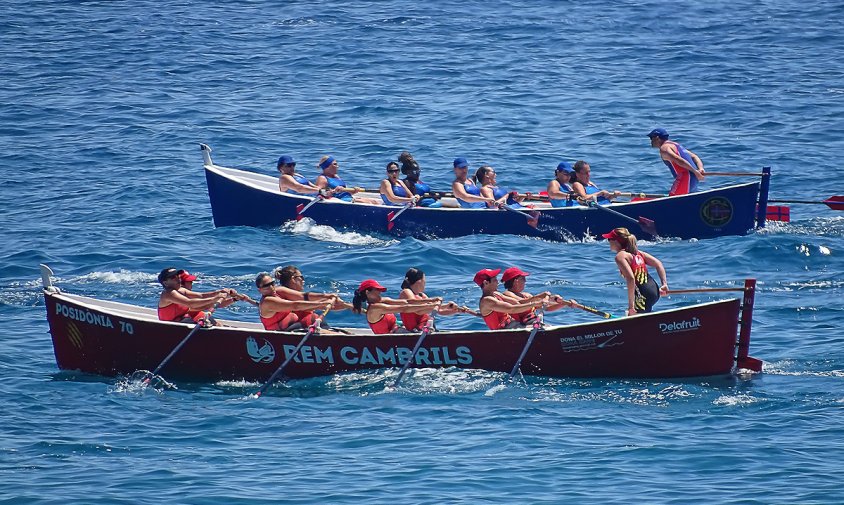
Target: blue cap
{"x": 460, "y": 163}
{"x": 658, "y": 132}
{"x": 564, "y": 167}
{"x": 286, "y": 160}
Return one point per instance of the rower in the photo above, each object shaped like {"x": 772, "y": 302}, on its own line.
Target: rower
{"x": 275, "y": 312}
{"x": 586, "y": 190}
{"x": 410, "y": 168}
{"x": 291, "y": 285}
{"x": 497, "y": 310}
{"x": 560, "y": 191}
{"x": 680, "y": 161}
{"x": 291, "y": 182}
{"x": 514, "y": 280}
{"x": 467, "y": 193}
{"x": 485, "y": 177}
{"x": 413, "y": 288}
{"x": 393, "y": 190}
{"x": 380, "y": 310}
{"x": 174, "y": 306}
{"x": 329, "y": 180}
{"x": 642, "y": 291}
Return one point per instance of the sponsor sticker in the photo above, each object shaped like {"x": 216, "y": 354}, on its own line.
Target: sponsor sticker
{"x": 716, "y": 211}
{"x": 692, "y": 324}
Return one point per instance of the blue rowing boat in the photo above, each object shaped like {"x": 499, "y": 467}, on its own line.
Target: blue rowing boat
{"x": 244, "y": 198}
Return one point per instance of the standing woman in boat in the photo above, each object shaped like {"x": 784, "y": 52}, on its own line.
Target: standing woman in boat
{"x": 585, "y": 189}
{"x": 175, "y": 306}
{"x": 514, "y": 279}
{"x": 277, "y": 313}
{"x": 393, "y": 190}
{"x": 485, "y": 177}
{"x": 495, "y": 308}
{"x": 291, "y": 182}
{"x": 560, "y": 191}
{"x": 467, "y": 193}
{"x": 292, "y": 287}
{"x": 380, "y": 310}
{"x": 642, "y": 291}
{"x": 410, "y": 168}
{"x": 329, "y": 180}
{"x": 413, "y": 288}
{"x": 680, "y": 161}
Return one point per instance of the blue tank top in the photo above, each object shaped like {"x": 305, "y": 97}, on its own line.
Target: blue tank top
{"x": 591, "y": 189}
{"x": 565, "y": 202}
{"x": 336, "y": 182}
{"x": 301, "y": 179}
{"x": 688, "y": 157}
{"x": 398, "y": 190}
{"x": 472, "y": 189}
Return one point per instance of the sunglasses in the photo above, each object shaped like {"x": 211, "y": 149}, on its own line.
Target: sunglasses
{"x": 268, "y": 284}
{"x": 392, "y": 170}
{"x": 301, "y": 278}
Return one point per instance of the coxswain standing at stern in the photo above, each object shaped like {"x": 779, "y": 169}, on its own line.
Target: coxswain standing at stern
{"x": 680, "y": 161}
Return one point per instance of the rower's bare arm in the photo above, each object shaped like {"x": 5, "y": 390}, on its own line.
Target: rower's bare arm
{"x": 554, "y": 191}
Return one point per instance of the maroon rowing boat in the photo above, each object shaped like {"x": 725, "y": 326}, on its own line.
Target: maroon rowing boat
{"x": 110, "y": 338}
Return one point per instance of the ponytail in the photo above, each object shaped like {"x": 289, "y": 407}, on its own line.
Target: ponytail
{"x": 358, "y": 300}
{"x": 631, "y": 246}
{"x": 626, "y": 239}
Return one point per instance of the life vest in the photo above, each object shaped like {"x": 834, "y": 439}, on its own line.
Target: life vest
{"x": 497, "y": 320}
{"x": 387, "y": 324}
{"x": 684, "y": 181}
{"x": 472, "y": 189}
{"x": 177, "y": 312}
{"x": 415, "y": 322}
{"x": 336, "y": 182}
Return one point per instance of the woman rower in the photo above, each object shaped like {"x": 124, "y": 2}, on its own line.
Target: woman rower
{"x": 642, "y": 292}
{"x": 393, "y": 190}
{"x": 410, "y": 168}
{"x": 175, "y": 306}
{"x": 485, "y": 177}
{"x": 291, "y": 182}
{"x": 495, "y": 308}
{"x": 329, "y": 180}
{"x": 467, "y": 193}
{"x": 292, "y": 287}
{"x": 585, "y": 189}
{"x": 413, "y": 288}
{"x": 559, "y": 189}
{"x": 514, "y": 280}
{"x": 379, "y": 310}
{"x": 277, "y": 313}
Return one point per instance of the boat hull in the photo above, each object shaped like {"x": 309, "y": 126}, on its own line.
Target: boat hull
{"x": 108, "y": 338}
{"x": 241, "y": 198}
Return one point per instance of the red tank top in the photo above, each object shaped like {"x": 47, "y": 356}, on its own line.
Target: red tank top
{"x": 416, "y": 322}
{"x": 273, "y": 322}
{"x": 172, "y": 312}
{"x": 384, "y": 325}
{"x": 497, "y": 320}
{"x": 640, "y": 269}
{"x": 523, "y": 317}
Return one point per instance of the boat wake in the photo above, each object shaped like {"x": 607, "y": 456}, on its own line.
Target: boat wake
{"x": 326, "y": 233}
{"x": 134, "y": 384}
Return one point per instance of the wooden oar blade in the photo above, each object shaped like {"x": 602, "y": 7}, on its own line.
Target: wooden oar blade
{"x": 647, "y": 225}
{"x": 835, "y": 202}
{"x": 299, "y": 209}
{"x": 390, "y": 222}
{"x": 533, "y": 220}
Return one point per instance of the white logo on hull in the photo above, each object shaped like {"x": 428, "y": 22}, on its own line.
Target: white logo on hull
{"x": 263, "y": 354}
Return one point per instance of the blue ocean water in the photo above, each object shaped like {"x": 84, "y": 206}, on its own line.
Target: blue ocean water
{"x": 103, "y": 105}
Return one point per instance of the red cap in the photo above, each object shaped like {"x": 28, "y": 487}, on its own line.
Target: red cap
{"x": 485, "y": 274}
{"x": 370, "y": 284}
{"x": 512, "y": 273}
{"x": 186, "y": 276}
{"x": 613, "y": 235}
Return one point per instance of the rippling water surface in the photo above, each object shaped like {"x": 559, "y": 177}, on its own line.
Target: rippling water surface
{"x": 102, "y": 108}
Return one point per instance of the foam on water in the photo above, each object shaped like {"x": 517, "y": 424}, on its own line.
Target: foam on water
{"x": 328, "y": 234}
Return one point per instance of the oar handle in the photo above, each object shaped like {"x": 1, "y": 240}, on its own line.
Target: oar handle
{"x": 735, "y": 174}
{"x": 605, "y": 315}
{"x": 703, "y": 290}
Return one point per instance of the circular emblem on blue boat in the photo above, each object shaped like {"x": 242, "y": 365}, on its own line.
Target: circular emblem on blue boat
{"x": 716, "y": 212}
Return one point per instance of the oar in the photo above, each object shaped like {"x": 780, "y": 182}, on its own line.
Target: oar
{"x": 605, "y": 315}
{"x": 537, "y": 324}
{"x": 301, "y": 208}
{"x": 196, "y": 328}
{"x": 311, "y": 330}
{"x": 532, "y": 219}
{"x": 647, "y": 225}
{"x": 412, "y": 358}
{"x": 466, "y": 310}
{"x": 833, "y": 202}
{"x": 735, "y": 174}
{"x": 642, "y": 195}
{"x": 393, "y": 215}
{"x": 703, "y": 290}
